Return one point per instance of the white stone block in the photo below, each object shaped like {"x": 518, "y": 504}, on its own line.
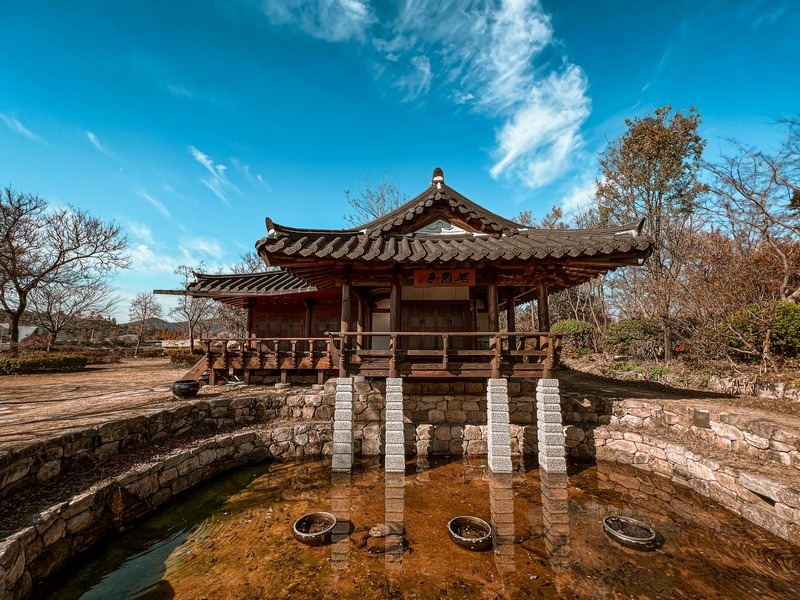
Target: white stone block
{"x": 543, "y": 427}
{"x": 395, "y": 426}
{"x": 552, "y": 439}
{"x": 344, "y": 397}
{"x": 395, "y": 449}
{"x": 395, "y": 437}
{"x": 497, "y": 416}
{"x": 504, "y": 428}
{"x": 550, "y": 451}
{"x": 340, "y": 448}
{"x": 394, "y": 416}
{"x": 500, "y": 464}
{"x": 342, "y": 462}
{"x": 396, "y": 463}
{"x": 342, "y": 437}
{"x": 500, "y": 450}
{"x": 553, "y": 464}
{"x": 343, "y": 426}
{"x": 548, "y": 416}
{"x": 547, "y": 383}
{"x": 341, "y": 414}
{"x": 497, "y": 438}
{"x": 548, "y": 398}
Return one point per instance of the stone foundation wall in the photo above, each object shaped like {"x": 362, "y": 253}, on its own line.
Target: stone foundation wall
{"x": 66, "y": 529}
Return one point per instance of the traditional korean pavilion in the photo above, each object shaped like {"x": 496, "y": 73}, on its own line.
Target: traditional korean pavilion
{"x": 416, "y": 293}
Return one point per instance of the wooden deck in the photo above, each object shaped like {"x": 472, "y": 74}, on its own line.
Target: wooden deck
{"x": 345, "y": 354}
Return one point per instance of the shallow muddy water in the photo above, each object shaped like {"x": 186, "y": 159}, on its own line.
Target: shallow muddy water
{"x": 232, "y": 538}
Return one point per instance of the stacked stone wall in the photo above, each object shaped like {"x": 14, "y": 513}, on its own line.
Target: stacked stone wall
{"x": 32, "y": 464}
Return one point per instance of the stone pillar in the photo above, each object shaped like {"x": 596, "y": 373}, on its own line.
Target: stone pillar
{"x": 550, "y": 429}
{"x": 497, "y": 423}
{"x": 395, "y": 447}
{"x": 343, "y": 426}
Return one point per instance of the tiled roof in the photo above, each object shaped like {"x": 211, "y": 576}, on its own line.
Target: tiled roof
{"x": 481, "y": 236}
{"x": 525, "y": 244}
{"x": 235, "y": 288}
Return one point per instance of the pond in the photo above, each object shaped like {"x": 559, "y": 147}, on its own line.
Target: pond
{"x": 232, "y": 538}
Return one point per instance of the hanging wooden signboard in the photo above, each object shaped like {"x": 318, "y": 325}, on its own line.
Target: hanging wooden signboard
{"x": 444, "y": 277}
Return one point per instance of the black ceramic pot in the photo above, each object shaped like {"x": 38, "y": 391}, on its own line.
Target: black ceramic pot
{"x": 471, "y": 533}
{"x": 630, "y": 533}
{"x": 185, "y": 388}
{"x": 314, "y": 529}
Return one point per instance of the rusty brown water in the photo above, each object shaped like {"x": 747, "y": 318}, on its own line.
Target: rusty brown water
{"x": 233, "y": 539}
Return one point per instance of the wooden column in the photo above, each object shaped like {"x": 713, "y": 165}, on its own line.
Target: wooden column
{"x": 309, "y": 318}
{"x": 368, "y": 322}
{"x": 394, "y": 306}
{"x": 360, "y": 321}
{"x": 511, "y": 316}
{"x": 543, "y": 308}
{"x": 344, "y": 326}
{"x": 492, "y": 301}
{"x": 249, "y": 326}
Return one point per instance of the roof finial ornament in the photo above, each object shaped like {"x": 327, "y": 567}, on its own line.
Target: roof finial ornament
{"x": 438, "y": 177}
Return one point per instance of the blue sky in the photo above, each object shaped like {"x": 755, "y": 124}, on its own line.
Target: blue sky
{"x": 190, "y": 122}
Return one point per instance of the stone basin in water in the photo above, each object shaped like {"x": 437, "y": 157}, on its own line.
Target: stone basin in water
{"x": 314, "y": 529}
{"x": 470, "y": 532}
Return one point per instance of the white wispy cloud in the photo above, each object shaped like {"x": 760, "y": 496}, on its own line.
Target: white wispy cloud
{"x": 330, "y": 20}
{"x": 141, "y": 232}
{"x": 96, "y": 142}
{"x": 580, "y": 195}
{"x": 17, "y": 127}
{"x": 147, "y": 260}
{"x": 155, "y": 202}
{"x": 209, "y": 247}
{"x": 218, "y": 183}
{"x": 498, "y": 57}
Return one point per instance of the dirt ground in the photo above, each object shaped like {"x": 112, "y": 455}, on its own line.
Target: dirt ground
{"x": 39, "y": 407}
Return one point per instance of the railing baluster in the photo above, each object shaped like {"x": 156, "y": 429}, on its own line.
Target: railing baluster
{"x": 445, "y": 338}
{"x": 393, "y": 355}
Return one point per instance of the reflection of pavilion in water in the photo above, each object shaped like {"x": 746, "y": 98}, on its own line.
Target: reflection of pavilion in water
{"x": 554, "y": 515}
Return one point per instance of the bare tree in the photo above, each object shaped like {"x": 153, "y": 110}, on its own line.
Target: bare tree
{"x": 373, "y": 202}
{"x": 756, "y": 196}
{"x": 651, "y": 172}
{"x": 250, "y": 262}
{"x": 195, "y": 312}
{"x": 57, "y": 306}
{"x": 42, "y": 246}
{"x": 143, "y": 308}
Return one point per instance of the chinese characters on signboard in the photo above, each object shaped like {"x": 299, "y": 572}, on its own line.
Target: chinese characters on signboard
{"x": 444, "y": 278}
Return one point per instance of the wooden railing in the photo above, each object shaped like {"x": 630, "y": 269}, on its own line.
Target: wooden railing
{"x": 537, "y": 349}
{"x": 468, "y": 354}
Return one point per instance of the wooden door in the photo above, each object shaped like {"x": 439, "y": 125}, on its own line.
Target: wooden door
{"x": 437, "y": 318}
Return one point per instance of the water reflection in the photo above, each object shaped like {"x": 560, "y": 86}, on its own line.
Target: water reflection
{"x": 555, "y": 517}
{"x": 501, "y": 505}
{"x": 245, "y": 548}
{"x": 394, "y": 505}
{"x": 341, "y": 501}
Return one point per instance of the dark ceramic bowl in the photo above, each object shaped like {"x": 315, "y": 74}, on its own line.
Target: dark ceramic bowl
{"x": 185, "y": 388}
{"x": 630, "y": 532}
{"x": 471, "y": 533}
{"x": 314, "y": 529}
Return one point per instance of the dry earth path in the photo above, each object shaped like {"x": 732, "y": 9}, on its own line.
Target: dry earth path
{"x": 40, "y": 407}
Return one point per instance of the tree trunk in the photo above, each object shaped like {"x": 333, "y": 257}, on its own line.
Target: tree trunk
{"x": 667, "y": 340}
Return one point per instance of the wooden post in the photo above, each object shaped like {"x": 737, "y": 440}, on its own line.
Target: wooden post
{"x": 543, "y": 308}
{"x": 309, "y": 317}
{"x": 394, "y": 305}
{"x": 511, "y": 317}
{"x": 344, "y": 326}
{"x": 360, "y": 322}
{"x": 495, "y": 345}
{"x": 250, "y": 303}
{"x": 491, "y": 292}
